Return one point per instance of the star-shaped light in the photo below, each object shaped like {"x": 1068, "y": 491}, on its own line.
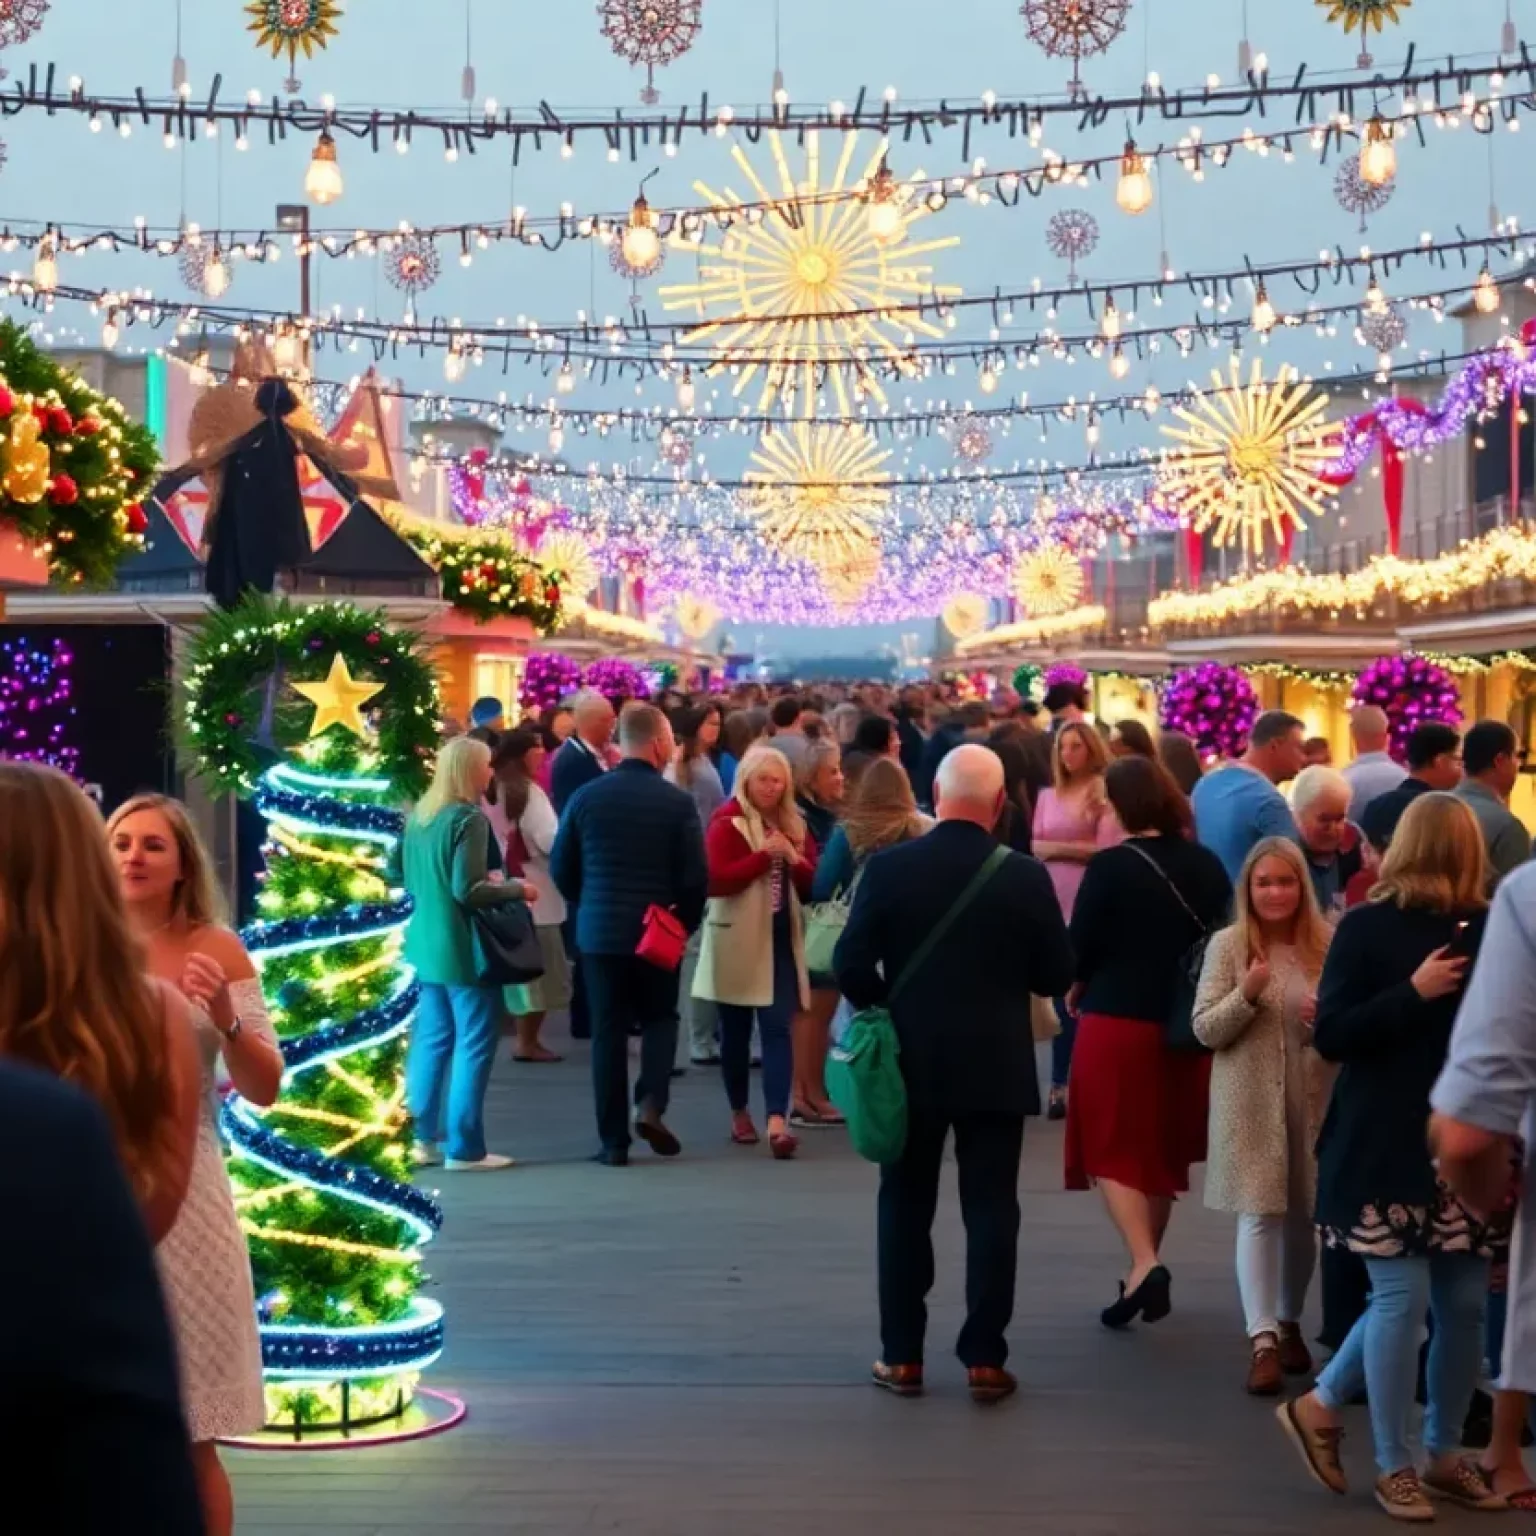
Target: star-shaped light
{"x": 339, "y": 699}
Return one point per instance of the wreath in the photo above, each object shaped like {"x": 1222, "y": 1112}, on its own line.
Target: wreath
{"x": 239, "y": 715}
{"x": 483, "y": 577}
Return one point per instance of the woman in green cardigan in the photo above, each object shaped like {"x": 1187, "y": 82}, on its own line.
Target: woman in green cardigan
{"x": 441, "y": 861}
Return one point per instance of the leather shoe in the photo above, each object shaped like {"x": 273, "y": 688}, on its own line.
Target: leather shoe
{"x": 991, "y": 1384}
{"x": 902, "y": 1380}
{"x": 1266, "y": 1374}
{"x": 1151, "y": 1300}
{"x": 612, "y": 1157}
{"x": 656, "y": 1136}
{"x": 1295, "y": 1357}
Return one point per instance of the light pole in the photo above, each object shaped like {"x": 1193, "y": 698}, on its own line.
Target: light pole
{"x": 293, "y": 218}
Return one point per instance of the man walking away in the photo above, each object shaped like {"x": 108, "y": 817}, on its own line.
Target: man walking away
{"x": 1373, "y": 771}
{"x": 1490, "y": 763}
{"x": 1434, "y": 763}
{"x": 967, "y": 1055}
{"x": 787, "y": 730}
{"x": 1239, "y": 805}
{"x": 629, "y": 840}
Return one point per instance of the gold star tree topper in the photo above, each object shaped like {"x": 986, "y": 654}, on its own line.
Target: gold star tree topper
{"x": 338, "y": 699}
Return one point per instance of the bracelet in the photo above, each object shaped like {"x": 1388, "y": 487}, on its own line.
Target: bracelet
{"x": 233, "y": 1032}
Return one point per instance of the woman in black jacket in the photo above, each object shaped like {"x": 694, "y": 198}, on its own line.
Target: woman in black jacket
{"x": 1387, "y": 1001}
{"x": 1137, "y": 1107}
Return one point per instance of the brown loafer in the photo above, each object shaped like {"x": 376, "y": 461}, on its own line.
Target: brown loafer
{"x": 1318, "y": 1447}
{"x": 991, "y": 1384}
{"x": 1295, "y": 1357}
{"x": 902, "y": 1380}
{"x": 1265, "y": 1376}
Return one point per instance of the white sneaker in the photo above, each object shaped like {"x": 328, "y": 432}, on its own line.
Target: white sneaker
{"x": 425, "y": 1154}
{"x": 487, "y": 1164}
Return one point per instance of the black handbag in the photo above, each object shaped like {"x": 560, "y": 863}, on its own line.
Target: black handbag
{"x": 1179, "y": 1022}
{"x": 506, "y": 945}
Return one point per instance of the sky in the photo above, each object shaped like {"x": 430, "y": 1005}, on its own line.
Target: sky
{"x": 391, "y": 51}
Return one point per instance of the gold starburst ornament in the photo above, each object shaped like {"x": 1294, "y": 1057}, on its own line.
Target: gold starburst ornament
{"x": 567, "y": 552}
{"x": 965, "y": 615}
{"x": 293, "y": 26}
{"x": 818, "y": 491}
{"x": 774, "y": 294}
{"x": 848, "y": 580}
{"x": 1251, "y": 458}
{"x": 694, "y": 616}
{"x": 1049, "y": 580}
{"x": 1365, "y": 15}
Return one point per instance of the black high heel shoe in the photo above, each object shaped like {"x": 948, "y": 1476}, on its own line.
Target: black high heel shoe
{"x": 1152, "y": 1301}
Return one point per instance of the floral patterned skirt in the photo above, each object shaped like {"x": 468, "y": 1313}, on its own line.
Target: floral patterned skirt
{"x": 1393, "y": 1231}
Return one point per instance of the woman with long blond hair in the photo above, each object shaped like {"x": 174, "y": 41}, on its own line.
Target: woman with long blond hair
{"x": 1073, "y": 820}
{"x": 1254, "y": 1009}
{"x": 1390, "y": 990}
{"x": 762, "y": 860}
{"x": 168, "y": 890}
{"x": 442, "y": 862}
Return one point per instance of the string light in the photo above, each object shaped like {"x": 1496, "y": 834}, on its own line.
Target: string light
{"x": 1133, "y": 191}
{"x": 323, "y": 183}
{"x": 1375, "y": 300}
{"x": 1264, "y": 317}
{"x": 1119, "y": 363}
{"x": 883, "y": 208}
{"x": 685, "y": 391}
{"x": 45, "y": 269}
{"x": 1486, "y": 297}
{"x": 565, "y": 380}
{"x": 640, "y": 242}
{"x": 216, "y": 274}
{"x": 1378, "y": 152}
{"x": 1109, "y": 324}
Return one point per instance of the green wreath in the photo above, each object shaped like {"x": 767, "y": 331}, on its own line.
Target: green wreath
{"x": 238, "y": 714}
{"x": 483, "y": 576}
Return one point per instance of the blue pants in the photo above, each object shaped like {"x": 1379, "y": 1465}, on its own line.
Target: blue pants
{"x": 773, "y": 1030}
{"x": 1061, "y": 1046}
{"x": 1381, "y": 1353}
{"x": 453, "y": 1040}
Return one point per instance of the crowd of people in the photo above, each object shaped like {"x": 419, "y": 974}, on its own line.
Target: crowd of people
{"x": 1271, "y": 966}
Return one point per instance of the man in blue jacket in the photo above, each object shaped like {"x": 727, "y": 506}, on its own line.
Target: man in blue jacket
{"x": 967, "y": 1056}
{"x": 629, "y": 841}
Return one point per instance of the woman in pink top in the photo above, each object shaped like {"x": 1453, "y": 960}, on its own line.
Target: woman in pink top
{"x": 1073, "y": 820}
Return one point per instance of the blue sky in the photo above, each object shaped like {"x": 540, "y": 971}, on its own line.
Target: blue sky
{"x": 392, "y": 51}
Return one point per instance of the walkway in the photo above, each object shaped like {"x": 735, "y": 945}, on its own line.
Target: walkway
{"x": 680, "y": 1350}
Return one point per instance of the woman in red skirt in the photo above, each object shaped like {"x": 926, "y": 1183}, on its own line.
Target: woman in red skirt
{"x": 1136, "y": 1109}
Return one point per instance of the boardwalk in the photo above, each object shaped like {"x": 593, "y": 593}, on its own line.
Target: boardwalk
{"x": 680, "y": 1350}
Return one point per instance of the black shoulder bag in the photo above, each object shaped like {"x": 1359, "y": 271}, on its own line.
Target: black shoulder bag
{"x": 1179, "y": 1024}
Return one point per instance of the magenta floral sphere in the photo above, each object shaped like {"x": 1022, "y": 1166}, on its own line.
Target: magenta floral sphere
{"x": 1213, "y": 705}
{"x": 617, "y": 680}
{"x": 1065, "y": 672}
{"x": 548, "y": 677}
{"x": 1412, "y": 691}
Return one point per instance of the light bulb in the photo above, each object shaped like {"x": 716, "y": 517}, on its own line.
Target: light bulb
{"x": 1152, "y": 399}
{"x": 1485, "y": 296}
{"x": 1133, "y": 192}
{"x": 288, "y": 352}
{"x": 1378, "y": 153}
{"x": 322, "y": 181}
{"x": 45, "y": 269}
{"x": 109, "y": 331}
{"x": 1263, "y": 312}
{"x": 1119, "y": 364}
{"x": 556, "y": 438}
{"x": 216, "y": 274}
{"x": 1109, "y": 324}
{"x": 988, "y": 380}
{"x": 453, "y": 365}
{"x": 1375, "y": 299}
{"x": 883, "y": 213}
{"x": 640, "y": 242}
{"x": 685, "y": 391}
{"x": 565, "y": 380}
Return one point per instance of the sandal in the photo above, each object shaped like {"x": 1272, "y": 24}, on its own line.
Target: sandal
{"x": 743, "y": 1132}
{"x": 541, "y": 1055}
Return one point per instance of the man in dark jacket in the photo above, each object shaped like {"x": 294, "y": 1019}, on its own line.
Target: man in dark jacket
{"x": 628, "y": 841}
{"x": 87, "y": 1344}
{"x": 968, "y": 723}
{"x": 967, "y": 1056}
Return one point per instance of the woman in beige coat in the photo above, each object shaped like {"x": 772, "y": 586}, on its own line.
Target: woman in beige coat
{"x": 1256, "y": 1002}
{"x": 752, "y": 958}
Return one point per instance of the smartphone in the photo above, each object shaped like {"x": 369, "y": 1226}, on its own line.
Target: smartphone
{"x": 1461, "y": 942}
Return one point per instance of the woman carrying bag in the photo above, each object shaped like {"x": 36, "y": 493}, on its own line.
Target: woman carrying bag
{"x": 761, "y": 863}
{"x": 441, "y": 861}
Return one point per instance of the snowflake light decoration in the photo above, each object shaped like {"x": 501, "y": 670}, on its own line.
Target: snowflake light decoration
{"x": 628, "y": 269}
{"x": 564, "y": 550}
{"x": 193, "y": 263}
{"x": 1074, "y": 29}
{"x": 965, "y": 615}
{"x": 772, "y": 281}
{"x": 1357, "y": 195}
{"x": 412, "y": 264}
{"x": 651, "y": 32}
{"x": 1365, "y": 14}
{"x": 970, "y": 439}
{"x": 1251, "y": 458}
{"x": 20, "y": 19}
{"x": 1049, "y": 580}
{"x": 1072, "y": 234}
{"x": 292, "y": 26}
{"x": 1384, "y": 331}
{"x": 817, "y": 491}
{"x": 676, "y": 447}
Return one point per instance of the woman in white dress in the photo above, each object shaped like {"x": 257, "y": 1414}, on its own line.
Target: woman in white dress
{"x": 168, "y": 889}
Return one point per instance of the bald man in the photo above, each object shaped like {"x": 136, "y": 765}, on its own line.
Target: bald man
{"x": 953, "y": 934}
{"x": 1372, "y": 772}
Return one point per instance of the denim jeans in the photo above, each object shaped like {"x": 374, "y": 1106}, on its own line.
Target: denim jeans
{"x": 773, "y": 1031}
{"x": 1381, "y": 1353}
{"x": 1061, "y": 1046}
{"x": 453, "y": 1041}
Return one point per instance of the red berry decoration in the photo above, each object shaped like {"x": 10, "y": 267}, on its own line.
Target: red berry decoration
{"x": 87, "y": 426}
{"x": 60, "y": 421}
{"x": 7, "y": 401}
{"x": 231, "y": 719}
{"x": 373, "y": 637}
{"x": 551, "y": 594}
{"x": 63, "y": 491}
{"x": 138, "y": 518}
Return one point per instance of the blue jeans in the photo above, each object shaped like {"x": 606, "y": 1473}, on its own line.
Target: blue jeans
{"x": 773, "y": 1031}
{"x": 1061, "y": 1046}
{"x": 1381, "y": 1353}
{"x": 453, "y": 1039}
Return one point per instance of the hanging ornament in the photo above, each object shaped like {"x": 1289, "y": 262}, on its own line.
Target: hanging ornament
{"x": 1357, "y": 195}
{"x": 965, "y": 615}
{"x": 651, "y": 32}
{"x": 412, "y": 264}
{"x": 1383, "y": 330}
{"x": 694, "y": 616}
{"x": 852, "y": 575}
{"x": 1072, "y": 234}
{"x": 24, "y": 477}
{"x": 292, "y": 26}
{"x": 1049, "y": 580}
{"x": 970, "y": 439}
{"x": 1365, "y": 14}
{"x": 204, "y": 268}
{"x": 1074, "y": 29}
{"x": 338, "y": 699}
{"x": 619, "y": 258}
{"x": 20, "y": 19}
{"x": 676, "y": 447}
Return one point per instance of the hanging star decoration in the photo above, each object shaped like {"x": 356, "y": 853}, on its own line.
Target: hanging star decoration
{"x": 1050, "y": 580}
{"x": 1251, "y": 458}
{"x": 1366, "y": 15}
{"x": 782, "y": 285}
{"x": 293, "y": 26}
{"x": 338, "y": 699}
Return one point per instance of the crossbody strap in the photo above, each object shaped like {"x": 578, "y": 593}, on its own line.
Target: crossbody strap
{"x": 1178, "y": 895}
{"x": 993, "y": 862}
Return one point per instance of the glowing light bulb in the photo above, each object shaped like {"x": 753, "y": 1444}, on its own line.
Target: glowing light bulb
{"x": 45, "y": 269}
{"x": 1485, "y": 295}
{"x": 640, "y": 242}
{"x": 1152, "y": 400}
{"x": 109, "y": 331}
{"x": 883, "y": 211}
{"x": 453, "y": 365}
{"x": 1109, "y": 324}
{"x": 685, "y": 391}
{"x": 565, "y": 380}
{"x": 322, "y": 181}
{"x": 556, "y": 438}
{"x": 216, "y": 276}
{"x": 1378, "y": 153}
{"x": 1119, "y": 364}
{"x": 1264, "y": 316}
{"x": 988, "y": 380}
{"x": 1375, "y": 299}
{"x": 1133, "y": 192}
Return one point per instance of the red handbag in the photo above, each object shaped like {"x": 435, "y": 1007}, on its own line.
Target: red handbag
{"x": 662, "y": 939}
